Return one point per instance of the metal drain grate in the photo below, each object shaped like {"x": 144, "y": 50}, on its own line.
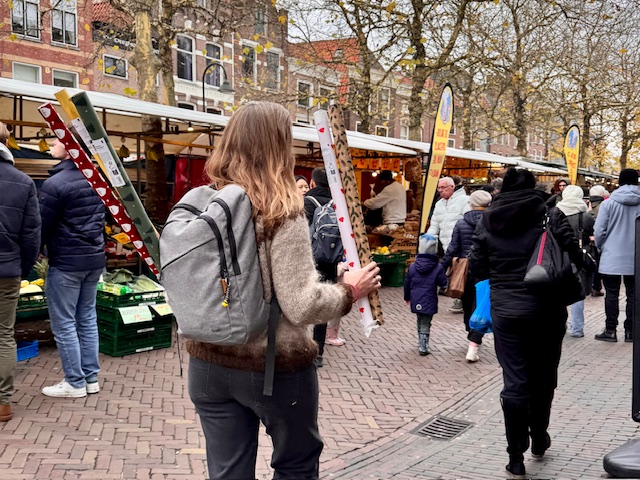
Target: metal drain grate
{"x": 442, "y": 428}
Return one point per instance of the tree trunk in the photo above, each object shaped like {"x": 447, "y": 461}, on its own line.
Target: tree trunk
{"x": 626, "y": 142}
{"x": 147, "y": 66}
{"x": 521, "y": 122}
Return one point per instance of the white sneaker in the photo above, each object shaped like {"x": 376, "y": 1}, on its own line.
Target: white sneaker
{"x": 93, "y": 387}
{"x": 457, "y": 306}
{"x": 63, "y": 389}
{"x": 472, "y": 354}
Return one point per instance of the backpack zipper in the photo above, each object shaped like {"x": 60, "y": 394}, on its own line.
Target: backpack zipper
{"x": 230, "y": 235}
{"x": 224, "y": 273}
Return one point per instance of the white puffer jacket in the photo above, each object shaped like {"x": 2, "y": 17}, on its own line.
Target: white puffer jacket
{"x": 445, "y": 215}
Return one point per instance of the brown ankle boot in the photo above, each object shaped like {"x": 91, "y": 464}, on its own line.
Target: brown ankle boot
{"x": 5, "y": 413}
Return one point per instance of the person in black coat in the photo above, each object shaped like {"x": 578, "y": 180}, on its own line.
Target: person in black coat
{"x": 19, "y": 247}
{"x": 528, "y": 327}
{"x": 460, "y": 246}
{"x": 317, "y": 196}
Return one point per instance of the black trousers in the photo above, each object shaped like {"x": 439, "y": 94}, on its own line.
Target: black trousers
{"x": 612, "y": 303}
{"x": 528, "y": 350}
{"x": 231, "y": 406}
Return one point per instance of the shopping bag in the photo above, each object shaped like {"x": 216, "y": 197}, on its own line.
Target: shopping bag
{"x": 457, "y": 277}
{"x": 480, "y": 320}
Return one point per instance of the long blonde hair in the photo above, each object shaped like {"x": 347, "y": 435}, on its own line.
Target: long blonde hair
{"x": 256, "y": 153}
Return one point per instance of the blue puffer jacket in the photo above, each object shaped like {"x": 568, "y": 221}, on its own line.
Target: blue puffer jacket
{"x": 72, "y": 220}
{"x": 461, "y": 238}
{"x": 420, "y": 285}
{"x": 19, "y": 219}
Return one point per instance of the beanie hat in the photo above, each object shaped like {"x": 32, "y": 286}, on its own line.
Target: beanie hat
{"x": 480, "y": 198}
{"x": 428, "y": 244}
{"x": 628, "y": 176}
{"x": 518, "y": 179}
{"x": 597, "y": 191}
{"x": 572, "y": 191}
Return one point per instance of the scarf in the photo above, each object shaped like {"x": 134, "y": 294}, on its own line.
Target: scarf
{"x": 572, "y": 201}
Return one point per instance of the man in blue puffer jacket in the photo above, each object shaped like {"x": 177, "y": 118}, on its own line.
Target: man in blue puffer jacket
{"x": 19, "y": 247}
{"x": 424, "y": 277}
{"x": 72, "y": 230}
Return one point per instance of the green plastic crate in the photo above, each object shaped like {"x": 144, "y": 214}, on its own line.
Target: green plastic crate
{"x": 391, "y": 258}
{"x": 110, "y": 322}
{"x": 393, "y": 274}
{"x": 32, "y": 305}
{"x": 106, "y": 299}
{"x": 130, "y": 343}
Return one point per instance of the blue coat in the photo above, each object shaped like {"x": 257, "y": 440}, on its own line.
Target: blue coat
{"x": 19, "y": 220}
{"x": 424, "y": 277}
{"x": 461, "y": 238}
{"x": 72, "y": 220}
{"x": 614, "y": 231}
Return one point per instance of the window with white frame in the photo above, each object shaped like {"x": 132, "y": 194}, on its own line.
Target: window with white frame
{"x": 64, "y": 23}
{"x": 453, "y": 130}
{"x": 304, "y": 94}
{"x": 26, "y": 73}
{"x": 114, "y": 66}
{"x": 359, "y": 127}
{"x": 215, "y": 111}
{"x": 384, "y": 105}
{"x": 248, "y": 64}
{"x": 185, "y": 57}
{"x": 404, "y": 132}
{"x": 186, "y": 106}
{"x": 273, "y": 71}
{"x": 323, "y": 102}
{"x": 260, "y": 20}
{"x": 213, "y": 55}
{"x": 25, "y": 18}
{"x": 65, "y": 79}
{"x": 452, "y": 143}
{"x": 382, "y": 131}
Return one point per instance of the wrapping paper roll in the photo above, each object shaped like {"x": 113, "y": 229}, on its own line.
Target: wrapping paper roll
{"x": 344, "y": 221}
{"x": 352, "y": 198}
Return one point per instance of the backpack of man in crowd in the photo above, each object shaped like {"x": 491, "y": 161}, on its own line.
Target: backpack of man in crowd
{"x": 326, "y": 243}
{"x": 210, "y": 267}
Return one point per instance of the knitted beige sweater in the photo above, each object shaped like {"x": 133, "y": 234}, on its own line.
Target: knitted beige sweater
{"x": 288, "y": 270}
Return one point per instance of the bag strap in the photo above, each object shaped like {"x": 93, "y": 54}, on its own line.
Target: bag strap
{"x": 580, "y": 230}
{"x": 314, "y": 200}
{"x": 270, "y": 360}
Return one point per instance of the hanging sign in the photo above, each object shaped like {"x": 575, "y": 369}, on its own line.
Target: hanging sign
{"x": 572, "y": 152}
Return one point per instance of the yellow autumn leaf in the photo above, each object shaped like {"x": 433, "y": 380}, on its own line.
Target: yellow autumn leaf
{"x": 423, "y": 40}
{"x": 505, "y": 24}
{"x": 258, "y": 48}
{"x": 2, "y": 25}
{"x": 13, "y": 37}
{"x": 391, "y": 7}
{"x": 100, "y": 62}
{"x": 129, "y": 91}
{"x": 623, "y": 51}
{"x": 411, "y": 50}
{"x": 496, "y": 2}
{"x": 87, "y": 27}
{"x": 85, "y": 81}
{"x": 245, "y": 51}
{"x": 268, "y": 45}
{"x": 256, "y": 37}
{"x": 204, "y": 52}
{"x": 315, "y": 102}
{"x": 116, "y": 47}
{"x": 10, "y": 4}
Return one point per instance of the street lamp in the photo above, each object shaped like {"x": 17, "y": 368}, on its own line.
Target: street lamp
{"x": 224, "y": 88}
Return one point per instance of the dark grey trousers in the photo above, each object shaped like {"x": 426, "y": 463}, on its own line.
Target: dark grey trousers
{"x": 9, "y": 290}
{"x": 231, "y": 406}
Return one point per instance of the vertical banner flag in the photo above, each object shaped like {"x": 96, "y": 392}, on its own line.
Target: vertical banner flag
{"x": 572, "y": 152}
{"x": 437, "y": 152}
{"x": 347, "y": 175}
{"x": 321, "y": 120}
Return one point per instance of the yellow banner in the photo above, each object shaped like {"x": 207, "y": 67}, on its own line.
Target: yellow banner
{"x": 438, "y": 152}
{"x": 572, "y": 152}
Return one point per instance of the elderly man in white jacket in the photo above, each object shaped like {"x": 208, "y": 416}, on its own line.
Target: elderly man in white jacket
{"x": 453, "y": 204}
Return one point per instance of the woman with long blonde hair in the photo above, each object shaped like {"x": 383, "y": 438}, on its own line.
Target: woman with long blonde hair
{"x": 225, "y": 382}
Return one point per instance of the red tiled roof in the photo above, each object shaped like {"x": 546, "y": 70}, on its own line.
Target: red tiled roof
{"x": 105, "y": 13}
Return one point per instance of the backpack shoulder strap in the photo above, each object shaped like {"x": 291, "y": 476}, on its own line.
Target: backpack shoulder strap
{"x": 314, "y": 200}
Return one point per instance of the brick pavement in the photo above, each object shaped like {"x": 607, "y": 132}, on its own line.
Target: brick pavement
{"x": 373, "y": 393}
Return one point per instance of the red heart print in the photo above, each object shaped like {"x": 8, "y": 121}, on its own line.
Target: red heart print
{"x": 351, "y": 264}
{"x": 341, "y": 219}
{"x": 334, "y": 206}
{"x": 353, "y": 236}
{"x": 321, "y": 130}
{"x": 342, "y": 190}
{"x": 361, "y": 309}
{"x": 345, "y": 251}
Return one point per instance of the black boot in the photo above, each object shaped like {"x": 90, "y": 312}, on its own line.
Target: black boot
{"x": 607, "y": 336}
{"x": 516, "y": 423}
{"x": 539, "y": 413}
{"x": 628, "y": 336}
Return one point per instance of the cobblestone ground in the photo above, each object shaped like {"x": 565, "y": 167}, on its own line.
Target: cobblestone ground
{"x": 373, "y": 393}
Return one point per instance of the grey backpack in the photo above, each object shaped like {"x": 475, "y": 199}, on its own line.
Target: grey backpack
{"x": 210, "y": 267}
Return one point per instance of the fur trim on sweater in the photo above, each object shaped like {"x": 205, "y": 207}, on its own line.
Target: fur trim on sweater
{"x": 289, "y": 272}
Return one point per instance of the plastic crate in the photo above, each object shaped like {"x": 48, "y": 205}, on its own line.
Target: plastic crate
{"x": 110, "y": 322}
{"x": 391, "y": 258}
{"x": 26, "y": 350}
{"x": 32, "y": 300}
{"x": 106, "y": 299}
{"x": 127, "y": 344}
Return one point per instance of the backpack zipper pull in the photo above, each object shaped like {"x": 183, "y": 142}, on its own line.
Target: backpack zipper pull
{"x": 225, "y": 290}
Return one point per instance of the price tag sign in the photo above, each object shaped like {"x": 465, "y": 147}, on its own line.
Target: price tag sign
{"x": 110, "y": 164}
{"x": 122, "y": 238}
{"x": 137, "y": 314}
{"x": 162, "y": 309}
